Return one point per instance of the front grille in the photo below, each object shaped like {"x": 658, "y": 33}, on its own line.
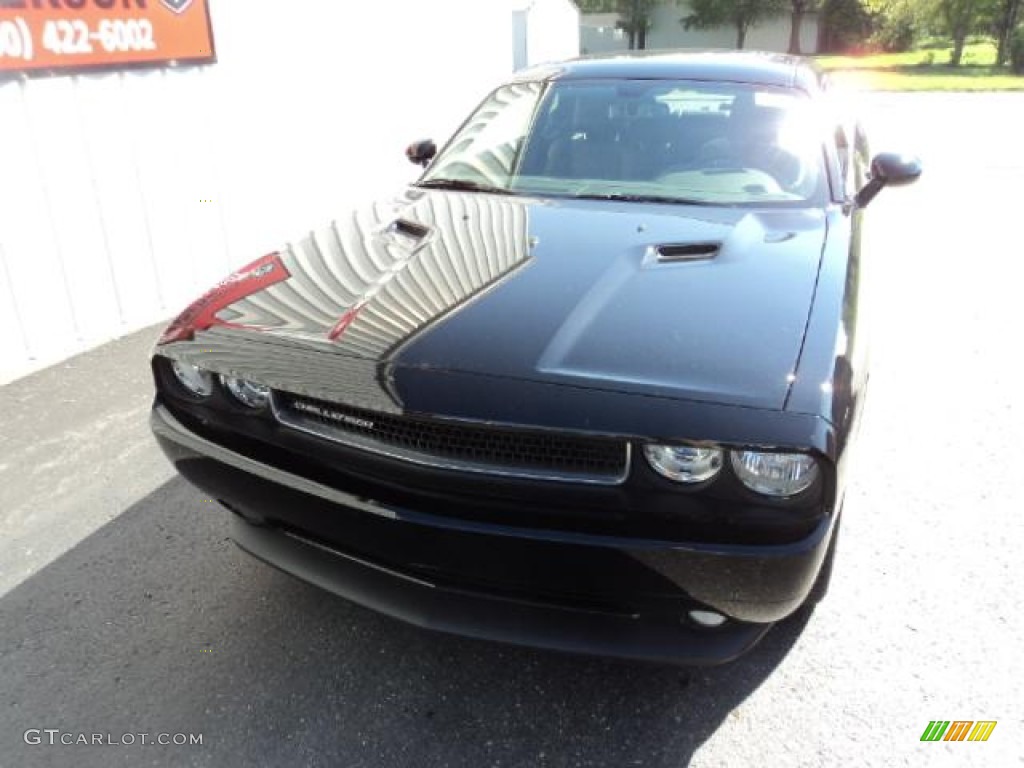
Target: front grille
{"x": 471, "y": 448}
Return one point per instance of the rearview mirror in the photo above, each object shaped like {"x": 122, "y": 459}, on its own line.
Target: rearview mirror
{"x": 421, "y": 152}
{"x": 889, "y": 169}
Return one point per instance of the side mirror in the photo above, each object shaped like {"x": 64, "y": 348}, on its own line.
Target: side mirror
{"x": 421, "y": 152}
{"x": 889, "y": 169}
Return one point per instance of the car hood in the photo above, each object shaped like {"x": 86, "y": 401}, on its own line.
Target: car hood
{"x": 557, "y": 291}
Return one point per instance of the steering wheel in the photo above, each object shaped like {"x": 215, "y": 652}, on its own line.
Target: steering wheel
{"x": 784, "y": 166}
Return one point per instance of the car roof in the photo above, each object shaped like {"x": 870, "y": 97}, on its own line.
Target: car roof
{"x": 755, "y": 67}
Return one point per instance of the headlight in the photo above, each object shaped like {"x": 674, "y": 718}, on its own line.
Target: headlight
{"x": 684, "y": 463}
{"x": 193, "y": 378}
{"x": 775, "y": 474}
{"x": 247, "y": 392}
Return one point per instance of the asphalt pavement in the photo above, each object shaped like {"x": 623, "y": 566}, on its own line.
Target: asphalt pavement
{"x": 125, "y": 610}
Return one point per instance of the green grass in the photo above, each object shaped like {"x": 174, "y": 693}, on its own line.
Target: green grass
{"x": 924, "y": 69}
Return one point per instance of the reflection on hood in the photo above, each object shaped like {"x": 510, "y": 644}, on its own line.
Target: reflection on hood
{"x": 369, "y": 285}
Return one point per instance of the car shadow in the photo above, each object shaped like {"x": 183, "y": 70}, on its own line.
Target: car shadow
{"x": 157, "y": 624}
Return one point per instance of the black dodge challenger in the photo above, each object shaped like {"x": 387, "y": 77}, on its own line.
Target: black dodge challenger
{"x": 589, "y": 384}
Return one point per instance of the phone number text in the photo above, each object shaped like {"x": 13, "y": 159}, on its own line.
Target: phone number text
{"x": 74, "y": 37}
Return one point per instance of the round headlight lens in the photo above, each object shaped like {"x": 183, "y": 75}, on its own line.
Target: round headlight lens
{"x": 193, "y": 378}
{"x": 684, "y": 463}
{"x": 775, "y": 474}
{"x": 247, "y": 392}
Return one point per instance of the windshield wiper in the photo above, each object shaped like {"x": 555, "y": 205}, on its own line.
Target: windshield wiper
{"x": 464, "y": 185}
{"x": 631, "y": 198}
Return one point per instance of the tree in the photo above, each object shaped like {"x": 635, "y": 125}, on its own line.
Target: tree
{"x": 898, "y": 24}
{"x": 635, "y": 19}
{"x": 742, "y": 14}
{"x": 634, "y": 16}
{"x": 1017, "y": 51}
{"x": 842, "y": 25}
{"x": 1008, "y": 14}
{"x": 799, "y": 9}
{"x": 962, "y": 17}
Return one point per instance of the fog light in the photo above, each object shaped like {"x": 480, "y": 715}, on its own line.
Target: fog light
{"x": 707, "y": 618}
{"x": 247, "y": 392}
{"x": 193, "y": 378}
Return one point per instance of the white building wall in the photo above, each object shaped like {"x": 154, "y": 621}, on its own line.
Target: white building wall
{"x": 123, "y": 195}
{"x": 598, "y": 33}
{"x": 552, "y": 30}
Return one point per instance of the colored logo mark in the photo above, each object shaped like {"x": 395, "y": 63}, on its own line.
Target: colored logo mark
{"x": 178, "y": 6}
{"x": 958, "y": 730}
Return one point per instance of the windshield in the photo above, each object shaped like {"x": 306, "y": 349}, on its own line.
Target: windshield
{"x": 659, "y": 140}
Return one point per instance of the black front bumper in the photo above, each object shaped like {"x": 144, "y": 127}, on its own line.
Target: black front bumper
{"x": 579, "y": 592}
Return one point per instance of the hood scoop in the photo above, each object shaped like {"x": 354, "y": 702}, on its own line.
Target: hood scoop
{"x": 412, "y": 230}
{"x": 686, "y": 252}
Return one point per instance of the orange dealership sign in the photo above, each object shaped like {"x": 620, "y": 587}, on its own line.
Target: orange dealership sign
{"x": 83, "y": 34}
